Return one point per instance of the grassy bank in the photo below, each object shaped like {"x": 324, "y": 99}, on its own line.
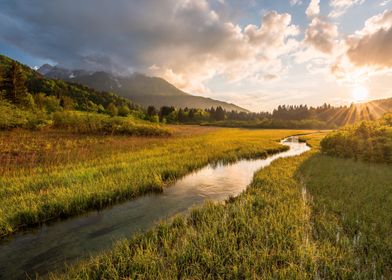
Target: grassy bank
{"x": 106, "y": 173}
{"x": 351, "y": 216}
{"x": 261, "y": 233}
{"x": 307, "y": 217}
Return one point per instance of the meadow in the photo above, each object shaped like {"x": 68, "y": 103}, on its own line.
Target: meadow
{"x": 306, "y": 217}
{"x": 53, "y": 174}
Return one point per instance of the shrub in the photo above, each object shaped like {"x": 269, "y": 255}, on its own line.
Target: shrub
{"x": 98, "y": 123}
{"x": 369, "y": 140}
{"x": 13, "y": 117}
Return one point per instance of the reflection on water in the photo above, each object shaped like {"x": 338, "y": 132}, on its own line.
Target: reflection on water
{"x": 47, "y": 248}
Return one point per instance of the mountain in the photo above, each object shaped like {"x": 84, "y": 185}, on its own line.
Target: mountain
{"x": 82, "y": 97}
{"x": 140, "y": 88}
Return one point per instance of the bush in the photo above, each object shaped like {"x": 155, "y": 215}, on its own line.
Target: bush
{"x": 124, "y": 111}
{"x": 369, "y": 140}
{"x": 13, "y": 117}
{"x": 99, "y": 123}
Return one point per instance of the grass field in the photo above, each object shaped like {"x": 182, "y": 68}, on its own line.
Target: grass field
{"x": 56, "y": 174}
{"x": 307, "y": 217}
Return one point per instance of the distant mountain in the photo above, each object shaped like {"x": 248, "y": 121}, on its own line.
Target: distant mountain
{"x": 137, "y": 87}
{"x": 82, "y": 96}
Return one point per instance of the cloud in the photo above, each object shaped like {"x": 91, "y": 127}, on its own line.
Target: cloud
{"x": 250, "y": 53}
{"x": 340, "y": 7}
{"x": 184, "y": 41}
{"x": 372, "y": 50}
{"x": 321, "y": 35}
{"x": 313, "y": 8}
{"x": 372, "y": 46}
{"x": 295, "y": 2}
{"x": 367, "y": 52}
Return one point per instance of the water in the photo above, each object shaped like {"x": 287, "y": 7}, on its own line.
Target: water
{"x": 49, "y": 247}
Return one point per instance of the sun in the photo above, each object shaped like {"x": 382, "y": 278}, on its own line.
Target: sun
{"x": 359, "y": 94}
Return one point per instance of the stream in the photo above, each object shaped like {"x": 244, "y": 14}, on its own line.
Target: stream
{"x": 39, "y": 251}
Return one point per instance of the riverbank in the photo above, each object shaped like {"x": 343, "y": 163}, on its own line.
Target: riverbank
{"x": 77, "y": 173}
{"x": 306, "y": 217}
{"x": 41, "y": 252}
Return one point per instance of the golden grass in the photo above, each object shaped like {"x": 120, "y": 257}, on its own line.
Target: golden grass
{"x": 68, "y": 174}
{"x": 306, "y": 217}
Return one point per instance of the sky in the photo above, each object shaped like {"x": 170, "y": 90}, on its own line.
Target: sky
{"x": 256, "y": 54}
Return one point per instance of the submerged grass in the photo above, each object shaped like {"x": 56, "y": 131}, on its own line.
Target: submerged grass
{"x": 46, "y": 191}
{"x": 307, "y": 217}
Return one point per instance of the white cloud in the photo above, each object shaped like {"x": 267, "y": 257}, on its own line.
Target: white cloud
{"x": 367, "y": 52}
{"x": 313, "y": 8}
{"x": 250, "y": 53}
{"x": 321, "y": 35}
{"x": 372, "y": 46}
{"x": 295, "y": 2}
{"x": 340, "y": 7}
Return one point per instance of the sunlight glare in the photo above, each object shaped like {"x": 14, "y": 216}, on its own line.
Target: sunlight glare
{"x": 359, "y": 94}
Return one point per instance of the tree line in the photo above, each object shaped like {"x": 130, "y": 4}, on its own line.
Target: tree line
{"x": 330, "y": 115}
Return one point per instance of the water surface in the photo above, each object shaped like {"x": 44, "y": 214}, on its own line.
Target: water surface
{"x": 47, "y": 248}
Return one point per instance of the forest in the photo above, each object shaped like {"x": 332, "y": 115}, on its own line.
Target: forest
{"x": 285, "y": 116}
{"x": 30, "y": 101}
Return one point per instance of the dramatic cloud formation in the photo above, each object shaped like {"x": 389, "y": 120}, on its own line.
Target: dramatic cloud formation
{"x": 183, "y": 41}
{"x": 209, "y": 46}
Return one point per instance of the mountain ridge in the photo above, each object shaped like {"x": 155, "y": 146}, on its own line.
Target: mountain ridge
{"x": 138, "y": 87}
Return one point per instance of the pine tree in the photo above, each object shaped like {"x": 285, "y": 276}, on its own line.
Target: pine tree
{"x": 14, "y": 84}
{"x": 2, "y": 78}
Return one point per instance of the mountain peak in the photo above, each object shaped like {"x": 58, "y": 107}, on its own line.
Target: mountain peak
{"x": 45, "y": 68}
{"x": 138, "y": 87}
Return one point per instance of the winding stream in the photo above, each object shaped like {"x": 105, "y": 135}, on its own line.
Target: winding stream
{"x": 47, "y": 248}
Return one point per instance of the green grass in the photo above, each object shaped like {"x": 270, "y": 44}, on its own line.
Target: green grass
{"x": 264, "y": 232}
{"x": 352, "y": 216}
{"x": 46, "y": 191}
{"x": 12, "y": 117}
{"x": 82, "y": 122}
{"x": 307, "y": 217}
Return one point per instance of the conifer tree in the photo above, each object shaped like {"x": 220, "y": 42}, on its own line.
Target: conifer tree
{"x": 14, "y": 84}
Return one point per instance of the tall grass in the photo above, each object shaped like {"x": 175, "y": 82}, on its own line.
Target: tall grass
{"x": 307, "y": 217}
{"x": 351, "y": 216}
{"x": 264, "y": 233}
{"x": 29, "y": 198}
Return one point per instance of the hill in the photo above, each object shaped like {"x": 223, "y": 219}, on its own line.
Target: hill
{"x": 77, "y": 96}
{"x": 142, "y": 89}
